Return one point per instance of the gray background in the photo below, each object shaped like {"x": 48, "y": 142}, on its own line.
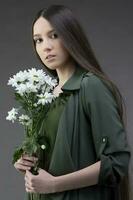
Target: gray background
{"x": 108, "y": 24}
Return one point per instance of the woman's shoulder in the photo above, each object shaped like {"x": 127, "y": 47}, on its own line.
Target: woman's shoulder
{"x": 94, "y": 87}
{"x": 92, "y": 81}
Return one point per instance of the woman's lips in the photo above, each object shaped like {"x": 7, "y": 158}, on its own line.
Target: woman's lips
{"x": 49, "y": 57}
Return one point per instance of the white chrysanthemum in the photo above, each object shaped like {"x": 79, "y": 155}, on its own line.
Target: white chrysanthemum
{"x": 21, "y": 89}
{"x": 12, "y": 115}
{"x": 25, "y": 120}
{"x": 20, "y": 77}
{"x": 26, "y": 88}
{"x": 45, "y": 88}
{"x": 45, "y": 98}
{"x": 36, "y": 77}
{"x": 51, "y": 82}
{"x": 32, "y": 81}
{"x": 30, "y": 88}
{"x": 12, "y": 82}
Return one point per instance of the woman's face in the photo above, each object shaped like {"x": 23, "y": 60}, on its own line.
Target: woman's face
{"x": 48, "y": 45}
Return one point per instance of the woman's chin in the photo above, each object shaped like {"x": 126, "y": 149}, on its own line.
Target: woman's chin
{"x": 52, "y": 67}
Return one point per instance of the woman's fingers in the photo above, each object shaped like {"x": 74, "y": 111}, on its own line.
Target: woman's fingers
{"x": 29, "y": 158}
{"x": 29, "y": 185}
{"x": 25, "y": 162}
{"x": 21, "y": 167}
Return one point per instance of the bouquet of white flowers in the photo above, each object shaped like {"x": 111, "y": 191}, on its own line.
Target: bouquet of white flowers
{"x": 33, "y": 91}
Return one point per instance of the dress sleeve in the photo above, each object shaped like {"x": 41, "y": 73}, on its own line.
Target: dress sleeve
{"x": 107, "y": 131}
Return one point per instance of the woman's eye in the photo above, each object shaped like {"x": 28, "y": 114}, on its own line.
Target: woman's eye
{"x": 54, "y": 35}
{"x": 38, "y": 40}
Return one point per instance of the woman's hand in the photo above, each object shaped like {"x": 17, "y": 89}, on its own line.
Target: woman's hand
{"x": 25, "y": 163}
{"x": 41, "y": 183}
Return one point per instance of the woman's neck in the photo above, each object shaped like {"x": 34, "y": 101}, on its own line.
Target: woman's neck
{"x": 64, "y": 73}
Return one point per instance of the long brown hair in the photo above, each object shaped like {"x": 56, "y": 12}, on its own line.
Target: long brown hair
{"x": 78, "y": 46}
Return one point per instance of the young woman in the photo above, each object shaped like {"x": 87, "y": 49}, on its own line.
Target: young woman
{"x": 88, "y": 155}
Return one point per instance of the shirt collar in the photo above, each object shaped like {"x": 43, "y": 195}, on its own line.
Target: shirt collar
{"x": 73, "y": 83}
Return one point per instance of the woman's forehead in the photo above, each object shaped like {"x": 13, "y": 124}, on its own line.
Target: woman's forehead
{"x": 42, "y": 26}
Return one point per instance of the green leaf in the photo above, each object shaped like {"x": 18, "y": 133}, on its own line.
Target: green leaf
{"x": 17, "y": 154}
{"x": 18, "y": 96}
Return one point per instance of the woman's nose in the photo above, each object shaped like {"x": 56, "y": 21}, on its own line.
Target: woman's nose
{"x": 47, "y": 45}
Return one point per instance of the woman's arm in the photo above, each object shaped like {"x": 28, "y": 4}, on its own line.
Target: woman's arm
{"x": 108, "y": 131}
{"x": 85, "y": 177}
{"x": 46, "y": 183}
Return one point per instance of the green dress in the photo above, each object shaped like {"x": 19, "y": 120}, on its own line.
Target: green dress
{"x": 51, "y": 121}
{"x": 89, "y": 130}
{"x": 49, "y": 130}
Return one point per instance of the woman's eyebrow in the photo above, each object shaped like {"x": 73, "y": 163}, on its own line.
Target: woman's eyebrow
{"x": 51, "y": 31}
{"x": 46, "y": 33}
